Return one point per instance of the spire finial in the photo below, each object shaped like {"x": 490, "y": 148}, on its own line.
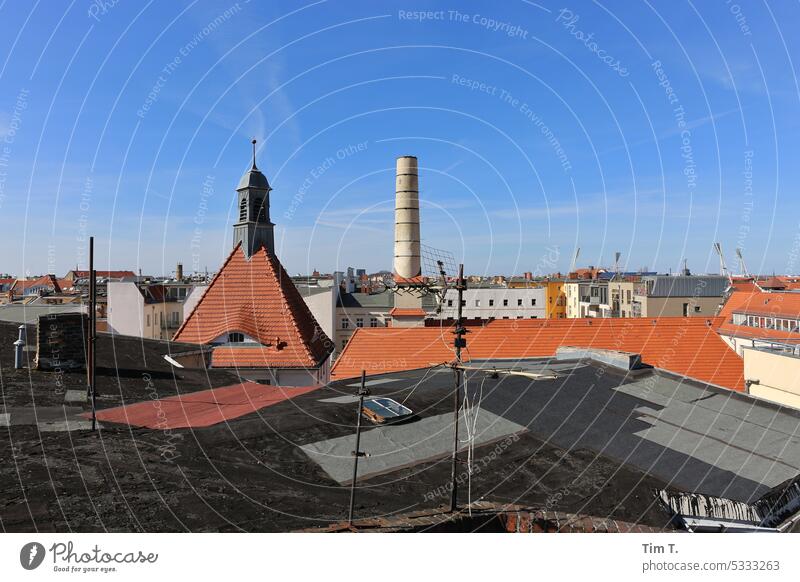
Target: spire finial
{"x": 254, "y": 154}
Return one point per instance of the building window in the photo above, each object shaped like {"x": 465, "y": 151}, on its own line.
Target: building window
{"x": 148, "y": 320}
{"x": 519, "y": 302}
{"x": 463, "y": 303}
{"x": 477, "y": 303}
{"x": 243, "y": 209}
{"x": 533, "y": 302}
{"x": 359, "y": 322}
{"x": 491, "y": 302}
{"x": 628, "y": 296}
{"x": 344, "y": 343}
{"x": 697, "y": 309}
{"x": 505, "y": 302}
{"x": 235, "y": 338}
{"x": 373, "y": 322}
{"x": 345, "y": 323}
{"x": 685, "y": 309}
{"x": 449, "y": 302}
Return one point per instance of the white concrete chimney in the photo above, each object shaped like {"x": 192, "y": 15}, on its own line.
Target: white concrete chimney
{"x": 406, "y": 219}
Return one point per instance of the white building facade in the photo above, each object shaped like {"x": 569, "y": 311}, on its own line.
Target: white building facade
{"x": 154, "y": 311}
{"x": 496, "y": 302}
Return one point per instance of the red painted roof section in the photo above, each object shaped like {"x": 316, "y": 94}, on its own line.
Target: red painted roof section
{"x": 258, "y": 298}
{"x": 199, "y": 409}
{"x": 685, "y": 346}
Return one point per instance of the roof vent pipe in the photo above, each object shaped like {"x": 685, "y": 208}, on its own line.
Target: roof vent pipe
{"x": 19, "y": 348}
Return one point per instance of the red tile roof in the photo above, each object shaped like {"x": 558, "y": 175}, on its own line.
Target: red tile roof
{"x": 776, "y": 304}
{"x": 47, "y": 281}
{"x": 408, "y": 312}
{"x": 744, "y": 284}
{"x": 772, "y": 283}
{"x": 762, "y": 303}
{"x": 258, "y": 298}
{"x": 686, "y": 346}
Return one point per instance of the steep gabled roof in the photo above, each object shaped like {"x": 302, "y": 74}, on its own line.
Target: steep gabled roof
{"x": 688, "y": 346}
{"x": 258, "y": 298}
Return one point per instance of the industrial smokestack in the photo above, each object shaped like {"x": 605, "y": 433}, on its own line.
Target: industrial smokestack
{"x": 406, "y": 219}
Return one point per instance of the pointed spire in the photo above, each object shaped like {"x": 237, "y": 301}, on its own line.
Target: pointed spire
{"x": 254, "y": 155}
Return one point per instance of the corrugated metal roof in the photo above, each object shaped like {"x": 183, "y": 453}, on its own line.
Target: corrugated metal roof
{"x": 687, "y": 286}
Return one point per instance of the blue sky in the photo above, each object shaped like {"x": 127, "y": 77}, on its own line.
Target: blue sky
{"x": 652, "y": 129}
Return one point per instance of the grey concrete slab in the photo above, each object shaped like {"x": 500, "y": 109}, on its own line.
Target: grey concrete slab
{"x": 42, "y": 414}
{"x": 745, "y": 463}
{"x": 67, "y": 425}
{"x": 75, "y": 396}
{"x": 393, "y": 447}
{"x": 643, "y": 390}
{"x": 5, "y": 419}
{"x": 346, "y": 399}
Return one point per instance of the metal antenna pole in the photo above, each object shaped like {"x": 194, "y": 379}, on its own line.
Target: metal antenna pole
{"x": 459, "y": 343}
{"x": 92, "y": 331}
{"x": 89, "y": 322}
{"x": 362, "y": 391}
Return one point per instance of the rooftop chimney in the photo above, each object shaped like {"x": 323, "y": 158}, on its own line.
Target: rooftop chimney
{"x": 406, "y": 219}
{"x": 179, "y": 272}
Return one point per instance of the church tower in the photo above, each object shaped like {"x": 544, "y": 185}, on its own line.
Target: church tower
{"x": 254, "y": 229}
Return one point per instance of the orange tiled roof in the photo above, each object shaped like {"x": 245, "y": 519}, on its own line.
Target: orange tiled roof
{"x": 686, "y": 346}
{"x": 777, "y": 304}
{"x": 258, "y": 298}
{"x": 762, "y": 303}
{"x": 48, "y": 281}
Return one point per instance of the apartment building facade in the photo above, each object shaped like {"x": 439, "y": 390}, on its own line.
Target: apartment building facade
{"x": 149, "y": 310}
{"x": 496, "y": 302}
{"x": 678, "y": 296}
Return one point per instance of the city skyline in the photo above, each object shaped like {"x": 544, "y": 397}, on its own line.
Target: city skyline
{"x": 648, "y": 131}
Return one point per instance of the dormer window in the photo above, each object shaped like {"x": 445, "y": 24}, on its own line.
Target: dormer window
{"x": 235, "y": 337}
